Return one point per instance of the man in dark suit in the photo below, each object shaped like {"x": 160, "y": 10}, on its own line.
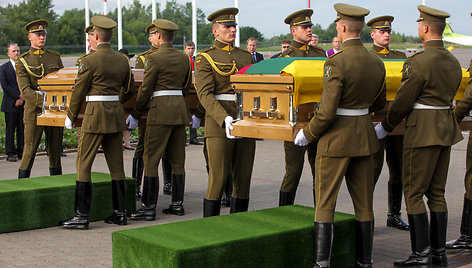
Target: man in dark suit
{"x": 12, "y": 106}
{"x": 251, "y": 45}
{"x": 285, "y": 44}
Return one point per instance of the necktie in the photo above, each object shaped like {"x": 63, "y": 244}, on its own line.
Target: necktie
{"x": 254, "y": 56}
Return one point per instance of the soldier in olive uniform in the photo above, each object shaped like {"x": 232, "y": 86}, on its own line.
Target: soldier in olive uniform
{"x": 213, "y": 67}
{"x": 92, "y": 43}
{"x": 462, "y": 109}
{"x": 392, "y": 144}
{"x": 353, "y": 85}
{"x": 167, "y": 79}
{"x": 30, "y": 67}
{"x": 104, "y": 81}
{"x": 138, "y": 163}
{"x": 300, "y": 28}
{"x": 429, "y": 83}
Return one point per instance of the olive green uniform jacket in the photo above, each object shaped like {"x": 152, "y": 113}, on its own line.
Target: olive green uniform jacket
{"x": 298, "y": 49}
{"x": 142, "y": 57}
{"x": 77, "y": 63}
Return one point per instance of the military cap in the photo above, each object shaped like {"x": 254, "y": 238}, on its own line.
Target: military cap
{"x": 151, "y": 28}
{"x": 102, "y": 22}
{"x": 300, "y": 18}
{"x": 89, "y": 29}
{"x": 350, "y": 12}
{"x": 432, "y": 14}
{"x": 165, "y": 25}
{"x": 382, "y": 23}
{"x": 225, "y": 16}
{"x": 37, "y": 26}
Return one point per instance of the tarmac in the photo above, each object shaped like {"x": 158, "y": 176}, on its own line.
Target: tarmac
{"x": 56, "y": 247}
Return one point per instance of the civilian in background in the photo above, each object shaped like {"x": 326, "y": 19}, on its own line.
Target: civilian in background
{"x": 251, "y": 46}
{"x": 285, "y": 44}
{"x": 127, "y": 132}
{"x": 336, "y": 47}
{"x": 12, "y": 106}
{"x": 314, "y": 40}
{"x": 189, "y": 49}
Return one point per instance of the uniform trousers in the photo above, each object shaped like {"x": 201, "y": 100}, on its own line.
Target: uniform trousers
{"x": 294, "y": 160}
{"x": 33, "y": 135}
{"x": 425, "y": 174}
{"x": 225, "y": 154}
{"x": 138, "y": 153}
{"x": 160, "y": 139}
{"x": 359, "y": 180}
{"x": 393, "y": 147}
{"x": 468, "y": 171}
{"x": 112, "y": 149}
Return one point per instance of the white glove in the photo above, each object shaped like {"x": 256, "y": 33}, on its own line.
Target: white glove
{"x": 195, "y": 122}
{"x": 229, "y": 127}
{"x": 68, "y": 123}
{"x": 131, "y": 122}
{"x": 300, "y": 139}
{"x": 380, "y": 131}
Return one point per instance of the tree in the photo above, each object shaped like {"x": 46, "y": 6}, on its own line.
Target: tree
{"x": 248, "y": 31}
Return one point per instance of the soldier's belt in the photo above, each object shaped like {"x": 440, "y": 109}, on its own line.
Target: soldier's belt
{"x": 429, "y": 107}
{"x": 102, "y": 98}
{"x": 352, "y": 112}
{"x": 225, "y": 97}
{"x": 39, "y": 92}
{"x": 167, "y": 93}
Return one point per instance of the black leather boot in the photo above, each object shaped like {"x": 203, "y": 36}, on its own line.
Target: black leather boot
{"x": 55, "y": 171}
{"x": 286, "y": 198}
{"x": 211, "y": 208}
{"x": 322, "y": 243}
{"x": 147, "y": 211}
{"x": 178, "y": 188}
{"x": 83, "y": 198}
{"x": 23, "y": 173}
{"x": 438, "y": 238}
{"x": 137, "y": 173}
{"x": 228, "y": 191}
{"x": 465, "y": 240}
{"x": 364, "y": 243}
{"x": 167, "y": 172}
{"x": 118, "y": 192}
{"x": 394, "y": 217}
{"x": 419, "y": 236}
{"x": 238, "y": 204}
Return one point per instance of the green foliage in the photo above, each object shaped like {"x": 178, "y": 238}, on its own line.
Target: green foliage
{"x": 246, "y": 32}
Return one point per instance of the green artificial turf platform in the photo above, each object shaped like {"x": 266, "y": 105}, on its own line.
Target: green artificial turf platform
{"x": 275, "y": 237}
{"x": 44, "y": 201}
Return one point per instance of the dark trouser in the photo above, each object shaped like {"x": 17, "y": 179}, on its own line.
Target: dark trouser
{"x": 193, "y": 133}
{"x": 14, "y": 123}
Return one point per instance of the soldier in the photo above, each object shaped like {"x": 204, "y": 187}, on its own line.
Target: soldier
{"x": 430, "y": 80}
{"x": 167, "y": 79}
{"x": 352, "y": 85}
{"x": 214, "y": 65}
{"x": 30, "y": 67}
{"x": 104, "y": 87}
{"x": 300, "y": 28}
{"x": 138, "y": 163}
{"x": 92, "y": 43}
{"x": 392, "y": 144}
{"x": 462, "y": 109}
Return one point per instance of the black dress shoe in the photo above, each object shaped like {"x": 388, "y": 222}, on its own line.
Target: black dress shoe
{"x": 415, "y": 259}
{"x": 195, "y": 141}
{"x": 144, "y": 213}
{"x": 77, "y": 222}
{"x": 12, "y": 158}
{"x": 117, "y": 218}
{"x": 463, "y": 242}
{"x": 176, "y": 208}
{"x": 396, "y": 221}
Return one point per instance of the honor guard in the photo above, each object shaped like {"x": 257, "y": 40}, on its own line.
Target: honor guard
{"x": 300, "y": 28}
{"x": 92, "y": 43}
{"x": 30, "y": 67}
{"x": 462, "y": 109}
{"x": 213, "y": 68}
{"x": 392, "y": 144}
{"x": 167, "y": 79}
{"x": 138, "y": 163}
{"x": 353, "y": 85}
{"x": 104, "y": 81}
{"x": 430, "y": 80}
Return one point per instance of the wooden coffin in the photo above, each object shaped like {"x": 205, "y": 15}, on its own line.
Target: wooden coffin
{"x": 58, "y": 87}
{"x": 276, "y": 106}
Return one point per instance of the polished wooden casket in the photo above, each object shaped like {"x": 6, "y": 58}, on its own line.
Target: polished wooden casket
{"x": 58, "y": 88}
{"x": 277, "y": 97}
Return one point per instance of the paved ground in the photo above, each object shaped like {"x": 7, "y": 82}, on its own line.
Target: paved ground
{"x": 55, "y": 247}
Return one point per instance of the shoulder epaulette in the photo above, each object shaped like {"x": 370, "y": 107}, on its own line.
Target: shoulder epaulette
{"x": 53, "y": 52}
{"x": 318, "y": 48}
{"x": 335, "y": 54}
{"x": 26, "y": 53}
{"x": 207, "y": 49}
{"x": 419, "y": 52}
{"x": 243, "y": 50}
{"x": 286, "y": 52}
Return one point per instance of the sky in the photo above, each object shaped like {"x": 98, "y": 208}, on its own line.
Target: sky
{"x": 268, "y": 16}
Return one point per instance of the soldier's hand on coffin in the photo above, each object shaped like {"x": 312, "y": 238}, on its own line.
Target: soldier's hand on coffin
{"x": 300, "y": 139}
{"x": 131, "y": 122}
{"x": 229, "y": 127}
{"x": 195, "y": 122}
{"x": 380, "y": 131}
{"x": 68, "y": 123}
